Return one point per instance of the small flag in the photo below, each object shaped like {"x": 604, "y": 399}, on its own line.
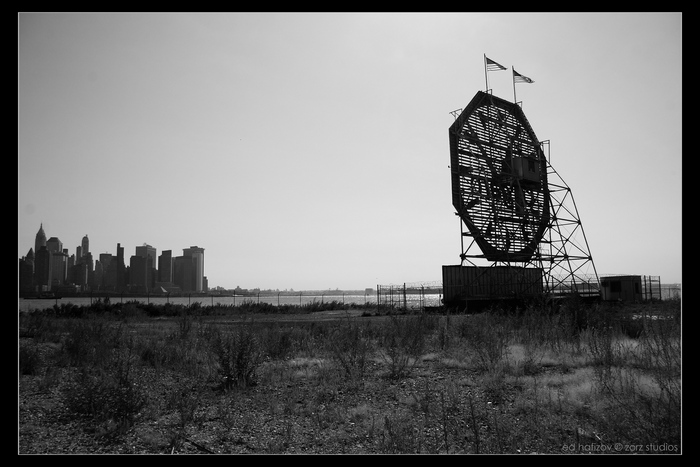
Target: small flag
{"x": 493, "y": 66}
{"x": 518, "y": 78}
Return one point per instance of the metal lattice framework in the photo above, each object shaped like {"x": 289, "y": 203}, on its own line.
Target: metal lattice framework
{"x": 564, "y": 251}
{"x": 516, "y": 208}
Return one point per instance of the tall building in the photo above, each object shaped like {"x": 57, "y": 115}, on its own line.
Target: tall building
{"x": 105, "y": 259}
{"x": 40, "y": 239}
{"x": 85, "y": 245}
{"x": 165, "y": 266}
{"x": 97, "y": 282}
{"x": 139, "y": 274}
{"x": 147, "y": 251}
{"x": 26, "y": 274}
{"x": 54, "y": 245}
{"x": 80, "y": 275}
{"x": 120, "y": 269}
{"x": 109, "y": 271}
{"x": 197, "y": 255}
{"x": 90, "y": 266}
{"x": 42, "y": 269}
{"x": 183, "y": 273}
{"x": 142, "y": 268}
{"x": 59, "y": 267}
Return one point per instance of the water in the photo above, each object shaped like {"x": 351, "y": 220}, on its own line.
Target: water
{"x": 412, "y": 300}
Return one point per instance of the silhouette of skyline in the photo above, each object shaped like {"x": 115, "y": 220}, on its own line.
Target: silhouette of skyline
{"x": 50, "y": 267}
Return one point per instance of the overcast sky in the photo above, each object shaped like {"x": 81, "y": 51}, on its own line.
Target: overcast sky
{"x": 310, "y": 150}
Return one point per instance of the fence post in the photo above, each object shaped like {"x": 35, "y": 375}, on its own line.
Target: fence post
{"x": 405, "y": 305}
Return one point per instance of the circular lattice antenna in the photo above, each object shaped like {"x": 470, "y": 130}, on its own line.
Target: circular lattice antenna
{"x": 499, "y": 179}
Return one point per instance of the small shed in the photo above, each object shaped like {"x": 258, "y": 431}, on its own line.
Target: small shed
{"x": 621, "y": 288}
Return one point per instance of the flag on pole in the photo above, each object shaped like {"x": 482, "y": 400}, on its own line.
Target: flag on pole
{"x": 518, "y": 78}
{"x": 493, "y": 66}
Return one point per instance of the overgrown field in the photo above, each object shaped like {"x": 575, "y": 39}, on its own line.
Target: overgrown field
{"x": 134, "y": 378}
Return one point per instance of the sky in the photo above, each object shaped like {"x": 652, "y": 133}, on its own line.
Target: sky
{"x": 310, "y": 150}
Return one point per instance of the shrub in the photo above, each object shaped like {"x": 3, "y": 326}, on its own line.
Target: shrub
{"x": 29, "y": 359}
{"x": 39, "y": 326}
{"x": 108, "y": 394}
{"x": 350, "y": 348}
{"x": 487, "y": 337}
{"x": 399, "y": 436}
{"x": 90, "y": 342}
{"x": 108, "y": 401}
{"x": 403, "y": 342}
{"x": 277, "y": 342}
{"x": 239, "y": 356}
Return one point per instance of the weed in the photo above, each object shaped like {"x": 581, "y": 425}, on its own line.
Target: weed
{"x": 402, "y": 342}
{"x": 277, "y": 342}
{"x": 399, "y": 436}
{"x": 29, "y": 359}
{"x": 185, "y": 401}
{"x": 239, "y": 356}
{"x": 110, "y": 397}
{"x": 487, "y": 337}
{"x": 537, "y": 379}
{"x": 350, "y": 349}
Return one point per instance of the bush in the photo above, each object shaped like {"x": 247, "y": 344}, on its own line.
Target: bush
{"x": 90, "y": 342}
{"x": 350, "y": 348}
{"x": 277, "y": 342}
{"x": 403, "y": 342}
{"x": 108, "y": 394}
{"x": 239, "y": 356}
{"x": 38, "y": 325}
{"x": 487, "y": 337}
{"x": 111, "y": 402}
{"x": 29, "y": 359}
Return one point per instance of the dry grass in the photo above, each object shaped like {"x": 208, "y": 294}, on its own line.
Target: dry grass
{"x": 491, "y": 383}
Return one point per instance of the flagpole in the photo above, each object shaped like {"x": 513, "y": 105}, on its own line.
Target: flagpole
{"x": 515, "y": 100}
{"x": 486, "y": 74}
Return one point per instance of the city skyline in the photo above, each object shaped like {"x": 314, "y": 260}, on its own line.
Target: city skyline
{"x": 50, "y": 267}
{"x": 310, "y": 150}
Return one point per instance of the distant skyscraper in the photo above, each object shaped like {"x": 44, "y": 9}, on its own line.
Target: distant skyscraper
{"x": 139, "y": 274}
{"x": 40, "y": 239}
{"x": 197, "y": 255}
{"x": 105, "y": 259}
{"x": 121, "y": 268}
{"x": 165, "y": 266}
{"x": 42, "y": 269}
{"x": 85, "y": 245}
{"x": 146, "y": 268}
{"x": 54, "y": 245}
{"x": 147, "y": 251}
{"x": 183, "y": 273}
{"x": 59, "y": 266}
{"x": 26, "y": 274}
